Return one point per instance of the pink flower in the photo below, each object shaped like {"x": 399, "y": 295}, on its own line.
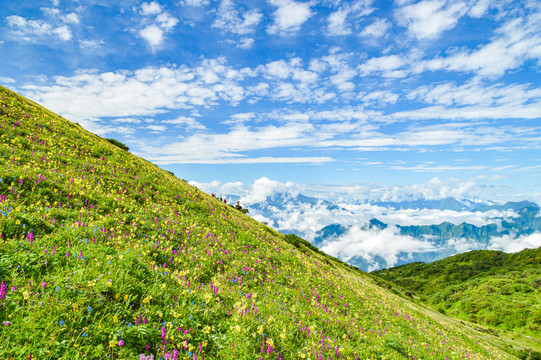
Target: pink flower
{"x": 121, "y": 343}
{"x": 163, "y": 332}
{"x": 3, "y": 289}
{"x": 43, "y": 284}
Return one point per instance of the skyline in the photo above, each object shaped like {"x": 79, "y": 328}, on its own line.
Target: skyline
{"x": 321, "y": 94}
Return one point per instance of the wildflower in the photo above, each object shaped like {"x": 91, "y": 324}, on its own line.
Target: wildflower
{"x": 163, "y": 332}
{"x": 3, "y": 289}
{"x": 43, "y": 284}
{"x": 13, "y": 288}
{"x": 89, "y": 309}
{"x": 121, "y": 343}
{"x": 6, "y": 323}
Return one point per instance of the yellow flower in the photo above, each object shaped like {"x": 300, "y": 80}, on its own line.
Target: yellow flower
{"x": 115, "y": 318}
{"x": 126, "y": 297}
{"x": 147, "y": 299}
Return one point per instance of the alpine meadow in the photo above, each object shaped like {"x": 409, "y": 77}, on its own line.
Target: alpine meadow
{"x": 106, "y": 256}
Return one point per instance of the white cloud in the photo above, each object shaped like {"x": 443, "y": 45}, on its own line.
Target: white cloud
{"x": 245, "y": 43}
{"x": 155, "y": 24}
{"x": 195, "y": 3}
{"x": 379, "y": 97}
{"x": 72, "y": 18}
{"x": 189, "y": 122}
{"x": 377, "y": 29}
{"x": 368, "y": 244}
{"x": 474, "y": 93}
{"x": 30, "y": 30}
{"x": 230, "y": 147}
{"x": 7, "y": 80}
{"x": 264, "y": 187}
{"x": 427, "y": 19}
{"x": 90, "y": 44}
{"x": 152, "y": 34}
{"x": 511, "y": 244}
{"x": 289, "y": 16}
{"x": 152, "y": 8}
{"x": 90, "y": 95}
{"x": 479, "y": 8}
{"x": 337, "y": 23}
{"x": 228, "y": 19}
{"x": 166, "y": 21}
{"x": 516, "y": 42}
{"x": 392, "y": 66}
{"x": 156, "y": 128}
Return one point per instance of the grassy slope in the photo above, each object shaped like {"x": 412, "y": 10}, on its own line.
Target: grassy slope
{"x": 492, "y": 288}
{"x": 105, "y": 255}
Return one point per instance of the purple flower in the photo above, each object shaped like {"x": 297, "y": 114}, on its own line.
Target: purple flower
{"x": 121, "y": 343}
{"x": 3, "y": 289}
{"x": 163, "y": 332}
{"x": 43, "y": 284}
{"x": 6, "y": 323}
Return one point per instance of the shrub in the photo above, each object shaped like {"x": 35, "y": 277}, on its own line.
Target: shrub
{"x": 118, "y": 144}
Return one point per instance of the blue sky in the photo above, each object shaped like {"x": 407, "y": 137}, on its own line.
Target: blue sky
{"x": 352, "y": 94}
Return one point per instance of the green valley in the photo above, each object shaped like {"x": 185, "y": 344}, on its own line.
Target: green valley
{"x": 492, "y": 288}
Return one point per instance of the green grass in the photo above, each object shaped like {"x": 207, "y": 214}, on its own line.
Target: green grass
{"x": 105, "y": 256}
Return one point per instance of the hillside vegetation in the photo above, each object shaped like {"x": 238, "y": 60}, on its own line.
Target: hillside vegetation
{"x": 105, "y": 256}
{"x": 492, "y": 288}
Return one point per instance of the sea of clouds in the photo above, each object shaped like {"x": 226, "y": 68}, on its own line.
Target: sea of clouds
{"x": 279, "y": 205}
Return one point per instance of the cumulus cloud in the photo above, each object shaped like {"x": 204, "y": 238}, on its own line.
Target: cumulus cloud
{"x": 156, "y": 23}
{"x": 427, "y": 19}
{"x": 289, "y": 16}
{"x": 229, "y": 19}
{"x": 89, "y": 95}
{"x": 264, "y": 187}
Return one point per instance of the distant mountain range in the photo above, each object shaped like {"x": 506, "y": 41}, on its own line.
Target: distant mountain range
{"x": 302, "y": 214}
